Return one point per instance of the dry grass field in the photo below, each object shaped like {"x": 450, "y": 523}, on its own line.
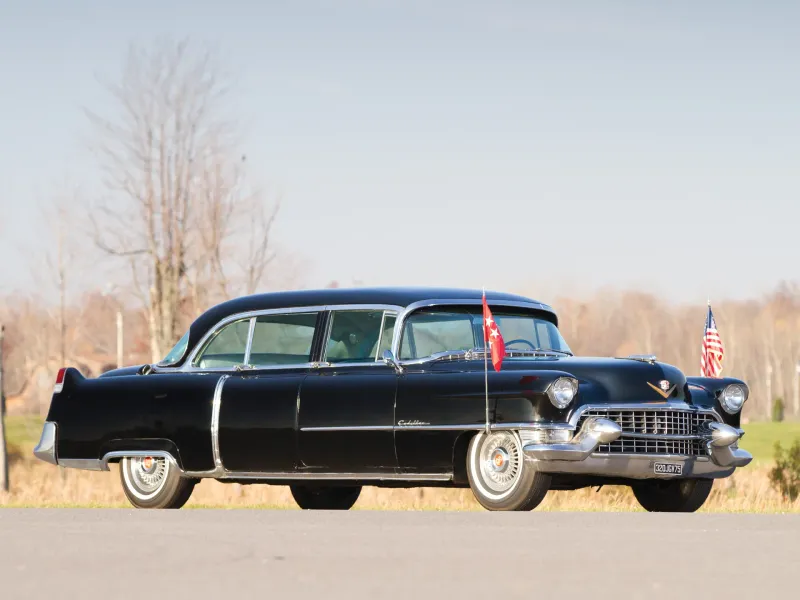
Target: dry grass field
{"x": 36, "y": 484}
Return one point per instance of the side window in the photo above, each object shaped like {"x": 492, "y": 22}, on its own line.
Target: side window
{"x": 429, "y": 333}
{"x": 386, "y": 334}
{"x": 358, "y": 335}
{"x": 283, "y": 339}
{"x": 227, "y": 348}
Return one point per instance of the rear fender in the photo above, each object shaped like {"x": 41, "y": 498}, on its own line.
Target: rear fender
{"x": 141, "y": 445}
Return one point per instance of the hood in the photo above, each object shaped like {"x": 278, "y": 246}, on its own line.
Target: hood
{"x": 623, "y": 380}
{"x": 602, "y": 380}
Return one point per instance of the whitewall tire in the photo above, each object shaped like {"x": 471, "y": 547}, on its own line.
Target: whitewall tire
{"x": 154, "y": 482}
{"x": 499, "y": 476}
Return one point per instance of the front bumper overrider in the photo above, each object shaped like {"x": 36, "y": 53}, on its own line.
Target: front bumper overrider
{"x": 580, "y": 456}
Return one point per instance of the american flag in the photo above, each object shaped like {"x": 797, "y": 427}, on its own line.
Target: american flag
{"x": 713, "y": 351}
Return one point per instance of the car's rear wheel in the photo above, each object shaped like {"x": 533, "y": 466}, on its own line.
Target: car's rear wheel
{"x": 324, "y": 497}
{"x": 154, "y": 482}
{"x": 499, "y": 476}
{"x": 678, "y": 495}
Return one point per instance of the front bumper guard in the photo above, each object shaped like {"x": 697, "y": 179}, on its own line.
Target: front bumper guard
{"x": 580, "y": 456}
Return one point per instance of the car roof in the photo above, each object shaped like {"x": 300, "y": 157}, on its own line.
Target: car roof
{"x": 396, "y": 296}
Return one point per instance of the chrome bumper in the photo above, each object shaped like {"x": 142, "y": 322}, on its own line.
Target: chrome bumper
{"x": 579, "y": 456}
{"x": 46, "y": 449}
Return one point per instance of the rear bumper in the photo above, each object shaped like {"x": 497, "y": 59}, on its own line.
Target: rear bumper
{"x": 579, "y": 455}
{"x": 46, "y": 449}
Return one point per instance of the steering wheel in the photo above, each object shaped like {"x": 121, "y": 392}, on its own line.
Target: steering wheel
{"x": 521, "y": 341}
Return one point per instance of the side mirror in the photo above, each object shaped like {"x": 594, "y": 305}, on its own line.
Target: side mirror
{"x": 390, "y": 360}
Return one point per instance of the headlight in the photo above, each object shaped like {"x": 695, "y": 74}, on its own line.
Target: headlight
{"x": 562, "y": 391}
{"x": 733, "y": 397}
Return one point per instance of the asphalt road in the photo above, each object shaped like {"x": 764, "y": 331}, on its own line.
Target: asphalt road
{"x": 106, "y": 554}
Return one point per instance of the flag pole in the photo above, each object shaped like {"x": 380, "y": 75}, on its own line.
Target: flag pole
{"x": 485, "y": 362}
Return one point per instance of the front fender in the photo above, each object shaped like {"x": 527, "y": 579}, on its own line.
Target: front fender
{"x": 522, "y": 397}
{"x": 705, "y": 392}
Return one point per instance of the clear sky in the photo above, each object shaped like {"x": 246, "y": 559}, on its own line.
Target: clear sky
{"x": 554, "y": 146}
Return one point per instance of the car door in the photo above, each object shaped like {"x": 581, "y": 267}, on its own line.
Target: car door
{"x": 257, "y": 423}
{"x": 346, "y": 416}
{"x": 436, "y": 401}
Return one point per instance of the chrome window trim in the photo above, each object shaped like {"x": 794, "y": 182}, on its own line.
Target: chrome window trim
{"x": 249, "y": 345}
{"x": 369, "y": 308}
{"x": 401, "y": 315}
{"x": 411, "y": 308}
{"x": 380, "y": 337}
{"x": 210, "y": 335}
{"x": 188, "y": 365}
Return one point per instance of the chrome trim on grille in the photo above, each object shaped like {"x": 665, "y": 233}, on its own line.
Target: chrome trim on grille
{"x": 670, "y": 428}
{"x": 657, "y": 406}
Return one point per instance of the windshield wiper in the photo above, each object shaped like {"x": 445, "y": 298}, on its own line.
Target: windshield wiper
{"x": 536, "y": 352}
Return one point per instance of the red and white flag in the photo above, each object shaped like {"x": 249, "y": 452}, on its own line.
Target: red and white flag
{"x": 713, "y": 350}
{"x": 492, "y": 336}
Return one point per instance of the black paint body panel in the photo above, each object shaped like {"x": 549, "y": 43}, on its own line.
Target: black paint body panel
{"x": 258, "y": 419}
{"x": 379, "y": 420}
{"x": 348, "y": 397}
{"x": 101, "y": 415}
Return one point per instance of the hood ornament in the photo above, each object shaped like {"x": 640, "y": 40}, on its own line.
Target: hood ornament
{"x": 648, "y": 358}
{"x": 664, "y": 388}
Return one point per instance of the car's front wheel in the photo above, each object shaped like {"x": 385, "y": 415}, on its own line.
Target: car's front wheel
{"x": 499, "y": 476}
{"x": 324, "y": 497}
{"x": 678, "y": 495}
{"x": 154, "y": 482}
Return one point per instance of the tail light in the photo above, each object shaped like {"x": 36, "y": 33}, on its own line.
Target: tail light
{"x": 59, "y": 380}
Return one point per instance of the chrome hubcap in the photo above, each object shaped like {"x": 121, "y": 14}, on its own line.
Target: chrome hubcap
{"x": 148, "y": 473}
{"x": 500, "y": 461}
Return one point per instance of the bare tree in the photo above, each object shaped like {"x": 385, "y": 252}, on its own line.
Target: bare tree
{"x": 4, "y": 483}
{"x": 176, "y": 186}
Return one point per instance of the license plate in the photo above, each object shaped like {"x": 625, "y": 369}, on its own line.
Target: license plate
{"x": 668, "y": 468}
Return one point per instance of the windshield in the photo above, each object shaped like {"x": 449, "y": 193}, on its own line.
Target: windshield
{"x": 434, "y": 330}
{"x": 177, "y": 352}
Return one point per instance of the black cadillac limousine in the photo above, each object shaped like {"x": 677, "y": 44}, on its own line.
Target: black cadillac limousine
{"x": 330, "y": 390}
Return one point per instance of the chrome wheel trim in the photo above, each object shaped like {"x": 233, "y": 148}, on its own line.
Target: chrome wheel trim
{"x": 497, "y": 464}
{"x": 145, "y": 477}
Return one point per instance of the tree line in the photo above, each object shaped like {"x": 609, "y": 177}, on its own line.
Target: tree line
{"x": 184, "y": 223}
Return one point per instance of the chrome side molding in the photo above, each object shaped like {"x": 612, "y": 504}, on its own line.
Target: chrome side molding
{"x": 102, "y": 465}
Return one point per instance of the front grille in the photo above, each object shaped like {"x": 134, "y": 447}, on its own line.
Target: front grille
{"x": 649, "y": 425}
